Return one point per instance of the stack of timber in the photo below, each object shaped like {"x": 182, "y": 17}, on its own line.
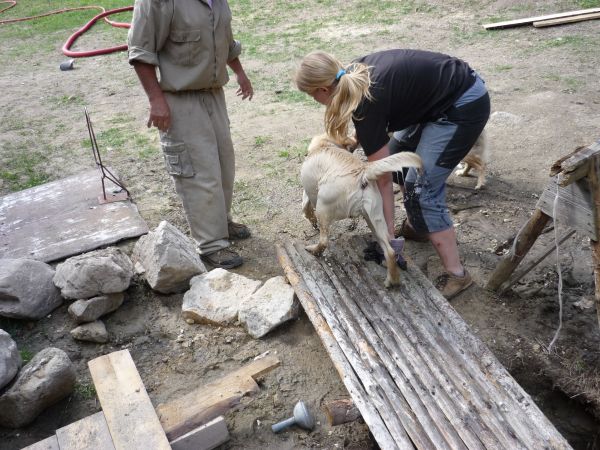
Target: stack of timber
{"x": 418, "y": 376}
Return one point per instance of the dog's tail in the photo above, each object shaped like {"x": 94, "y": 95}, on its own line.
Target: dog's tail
{"x": 392, "y": 163}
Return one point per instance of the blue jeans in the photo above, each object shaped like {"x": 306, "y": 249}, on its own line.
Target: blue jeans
{"x": 441, "y": 144}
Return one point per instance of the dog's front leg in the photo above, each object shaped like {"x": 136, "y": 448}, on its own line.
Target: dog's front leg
{"x": 309, "y": 211}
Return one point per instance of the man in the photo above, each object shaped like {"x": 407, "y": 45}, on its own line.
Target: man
{"x": 191, "y": 44}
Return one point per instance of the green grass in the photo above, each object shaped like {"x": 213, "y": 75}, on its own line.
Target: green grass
{"x": 23, "y": 168}
{"x": 86, "y": 391}
{"x": 26, "y": 355}
{"x": 123, "y": 141}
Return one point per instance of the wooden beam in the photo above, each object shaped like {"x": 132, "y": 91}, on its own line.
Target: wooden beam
{"x": 127, "y": 408}
{"x": 579, "y": 157}
{"x": 530, "y": 20}
{"x": 564, "y": 20}
{"x": 594, "y": 178}
{"x": 205, "y": 437}
{"x": 89, "y": 433}
{"x": 201, "y": 405}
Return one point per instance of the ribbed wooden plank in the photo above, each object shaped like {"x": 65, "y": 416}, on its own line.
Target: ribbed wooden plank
{"x": 89, "y": 433}
{"x": 342, "y": 365}
{"x": 129, "y": 413}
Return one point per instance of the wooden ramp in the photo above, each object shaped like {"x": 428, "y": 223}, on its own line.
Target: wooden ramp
{"x": 414, "y": 370}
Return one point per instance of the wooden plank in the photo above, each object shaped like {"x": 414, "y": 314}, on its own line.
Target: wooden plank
{"x": 205, "y": 437}
{"x": 63, "y": 218}
{"x": 581, "y": 156}
{"x": 212, "y": 400}
{"x": 50, "y": 443}
{"x": 594, "y": 178}
{"x": 90, "y": 433}
{"x": 573, "y": 207}
{"x": 342, "y": 365}
{"x": 564, "y": 20}
{"x": 129, "y": 413}
{"x": 530, "y": 20}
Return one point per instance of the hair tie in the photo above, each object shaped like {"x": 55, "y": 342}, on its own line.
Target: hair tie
{"x": 339, "y": 74}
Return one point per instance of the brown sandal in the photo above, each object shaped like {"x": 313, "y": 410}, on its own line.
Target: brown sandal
{"x": 408, "y": 232}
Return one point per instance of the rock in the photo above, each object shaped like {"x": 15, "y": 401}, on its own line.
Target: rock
{"x": 46, "y": 379}
{"x": 90, "y": 310}
{"x": 270, "y": 306}
{"x": 26, "y": 289}
{"x": 91, "y": 332}
{"x": 105, "y": 271}
{"x": 215, "y": 297}
{"x": 167, "y": 258}
{"x": 505, "y": 118}
{"x": 10, "y": 359}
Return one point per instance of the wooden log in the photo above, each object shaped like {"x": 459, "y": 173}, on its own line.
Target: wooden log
{"x": 207, "y": 402}
{"x": 564, "y": 20}
{"x": 347, "y": 374}
{"x": 525, "y": 241}
{"x": 127, "y": 408}
{"x": 530, "y": 20}
{"x": 397, "y": 416}
{"x": 205, "y": 437}
{"x": 341, "y": 411}
{"x": 89, "y": 433}
{"x": 594, "y": 179}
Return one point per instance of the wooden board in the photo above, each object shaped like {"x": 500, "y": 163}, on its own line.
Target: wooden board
{"x": 209, "y": 401}
{"x": 573, "y": 208}
{"x": 530, "y": 20}
{"x": 64, "y": 218}
{"x": 50, "y": 443}
{"x": 129, "y": 413}
{"x": 422, "y": 368}
{"x": 90, "y": 433}
{"x": 205, "y": 437}
{"x": 565, "y": 20}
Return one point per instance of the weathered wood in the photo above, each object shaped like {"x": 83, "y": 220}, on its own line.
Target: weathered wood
{"x": 594, "y": 178}
{"x": 90, "y": 433}
{"x": 398, "y": 418}
{"x": 564, "y": 20}
{"x": 525, "y": 240}
{"x": 557, "y": 165}
{"x": 207, "y": 402}
{"x": 576, "y": 175}
{"x": 50, "y": 443}
{"x": 581, "y": 156}
{"x": 572, "y": 209}
{"x": 341, "y": 411}
{"x": 342, "y": 365}
{"x": 205, "y": 437}
{"x": 129, "y": 413}
{"x": 530, "y": 20}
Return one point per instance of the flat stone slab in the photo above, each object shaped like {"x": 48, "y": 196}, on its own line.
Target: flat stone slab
{"x": 64, "y": 218}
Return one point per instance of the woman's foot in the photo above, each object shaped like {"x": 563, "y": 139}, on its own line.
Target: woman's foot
{"x": 451, "y": 285}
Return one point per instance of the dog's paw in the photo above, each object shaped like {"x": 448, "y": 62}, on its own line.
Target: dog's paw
{"x": 390, "y": 282}
{"x": 314, "y": 249}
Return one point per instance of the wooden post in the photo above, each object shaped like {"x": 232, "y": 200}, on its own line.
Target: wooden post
{"x": 593, "y": 178}
{"x": 526, "y": 238}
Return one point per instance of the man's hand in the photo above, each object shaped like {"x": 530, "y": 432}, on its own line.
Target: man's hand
{"x": 160, "y": 114}
{"x": 245, "y": 89}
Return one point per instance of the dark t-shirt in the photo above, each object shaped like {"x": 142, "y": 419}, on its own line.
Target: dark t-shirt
{"x": 408, "y": 87}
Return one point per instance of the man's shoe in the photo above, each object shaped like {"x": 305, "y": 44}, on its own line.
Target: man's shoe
{"x": 238, "y": 231}
{"x": 451, "y": 285}
{"x": 408, "y": 232}
{"x": 224, "y": 258}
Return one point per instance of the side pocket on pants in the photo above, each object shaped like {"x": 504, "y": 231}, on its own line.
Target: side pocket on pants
{"x": 178, "y": 159}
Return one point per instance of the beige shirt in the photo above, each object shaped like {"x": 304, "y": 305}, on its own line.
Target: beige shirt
{"x": 190, "y": 42}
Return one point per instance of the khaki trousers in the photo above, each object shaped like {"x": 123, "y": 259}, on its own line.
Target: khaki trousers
{"x": 198, "y": 153}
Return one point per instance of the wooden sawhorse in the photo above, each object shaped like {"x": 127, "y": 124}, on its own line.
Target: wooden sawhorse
{"x": 575, "y": 179}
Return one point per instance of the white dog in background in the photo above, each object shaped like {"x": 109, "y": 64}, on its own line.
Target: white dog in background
{"x": 477, "y": 159}
{"x": 339, "y": 185}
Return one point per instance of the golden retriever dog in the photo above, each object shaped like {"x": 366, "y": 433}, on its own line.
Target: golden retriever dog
{"x": 339, "y": 185}
{"x": 477, "y": 159}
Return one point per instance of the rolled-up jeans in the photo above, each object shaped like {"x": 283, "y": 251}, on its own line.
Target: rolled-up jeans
{"x": 441, "y": 144}
{"x": 198, "y": 153}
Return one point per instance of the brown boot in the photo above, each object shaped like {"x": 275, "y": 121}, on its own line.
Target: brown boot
{"x": 408, "y": 232}
{"x": 238, "y": 230}
{"x": 224, "y": 258}
{"x": 451, "y": 285}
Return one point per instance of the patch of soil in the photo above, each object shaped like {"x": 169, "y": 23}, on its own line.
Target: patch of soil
{"x": 543, "y": 85}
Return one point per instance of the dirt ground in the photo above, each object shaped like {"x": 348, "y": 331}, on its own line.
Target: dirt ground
{"x": 545, "y": 101}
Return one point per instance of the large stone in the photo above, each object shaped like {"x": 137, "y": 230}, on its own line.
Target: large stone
{"x": 270, "y": 306}
{"x": 89, "y": 310}
{"x": 91, "y": 332}
{"x": 105, "y": 271}
{"x": 215, "y": 297}
{"x": 167, "y": 258}
{"x": 26, "y": 289}
{"x": 46, "y": 379}
{"x": 10, "y": 359}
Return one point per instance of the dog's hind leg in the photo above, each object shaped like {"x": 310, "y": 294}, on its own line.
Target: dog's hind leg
{"x": 379, "y": 229}
{"x": 324, "y": 224}
{"x": 480, "y": 175}
{"x": 308, "y": 210}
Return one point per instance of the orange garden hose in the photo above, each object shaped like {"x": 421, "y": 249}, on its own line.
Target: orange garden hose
{"x": 66, "y": 47}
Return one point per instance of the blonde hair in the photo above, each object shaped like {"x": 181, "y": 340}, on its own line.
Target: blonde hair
{"x": 318, "y": 70}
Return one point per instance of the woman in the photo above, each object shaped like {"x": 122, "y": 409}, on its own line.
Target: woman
{"x": 435, "y": 105}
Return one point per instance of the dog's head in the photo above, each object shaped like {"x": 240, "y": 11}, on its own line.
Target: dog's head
{"x": 323, "y": 141}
